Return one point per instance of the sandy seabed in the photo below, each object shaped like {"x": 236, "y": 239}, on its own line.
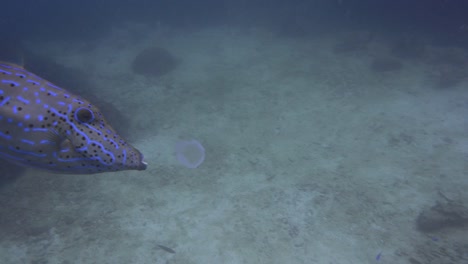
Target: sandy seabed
{"x": 311, "y": 157}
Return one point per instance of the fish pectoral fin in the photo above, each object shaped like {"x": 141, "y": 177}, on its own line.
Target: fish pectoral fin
{"x": 66, "y": 145}
{"x": 52, "y": 141}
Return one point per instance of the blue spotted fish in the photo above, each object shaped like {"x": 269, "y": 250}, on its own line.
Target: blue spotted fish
{"x": 47, "y": 127}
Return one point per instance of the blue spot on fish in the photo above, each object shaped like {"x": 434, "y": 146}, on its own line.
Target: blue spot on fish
{"x": 11, "y": 83}
{"x": 5, "y": 101}
{"x": 21, "y": 99}
{"x": 33, "y": 82}
{"x": 5, "y": 136}
{"x": 28, "y": 141}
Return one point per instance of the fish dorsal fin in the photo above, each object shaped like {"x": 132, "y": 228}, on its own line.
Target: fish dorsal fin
{"x": 12, "y": 64}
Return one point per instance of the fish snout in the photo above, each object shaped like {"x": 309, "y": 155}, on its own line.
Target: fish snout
{"x": 143, "y": 164}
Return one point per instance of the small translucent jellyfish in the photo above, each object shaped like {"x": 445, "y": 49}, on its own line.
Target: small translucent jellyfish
{"x": 190, "y": 153}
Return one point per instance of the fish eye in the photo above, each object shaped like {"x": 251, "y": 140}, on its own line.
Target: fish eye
{"x": 84, "y": 115}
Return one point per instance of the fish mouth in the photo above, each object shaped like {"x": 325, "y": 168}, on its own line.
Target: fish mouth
{"x": 143, "y": 163}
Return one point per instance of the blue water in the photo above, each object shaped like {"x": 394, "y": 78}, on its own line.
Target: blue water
{"x": 333, "y": 131}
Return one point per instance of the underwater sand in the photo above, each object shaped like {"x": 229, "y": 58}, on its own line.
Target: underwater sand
{"x": 311, "y": 157}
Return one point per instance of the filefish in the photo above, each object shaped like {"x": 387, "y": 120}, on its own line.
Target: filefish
{"x": 47, "y": 127}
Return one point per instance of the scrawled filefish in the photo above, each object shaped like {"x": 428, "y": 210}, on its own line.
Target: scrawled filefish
{"x": 45, "y": 126}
